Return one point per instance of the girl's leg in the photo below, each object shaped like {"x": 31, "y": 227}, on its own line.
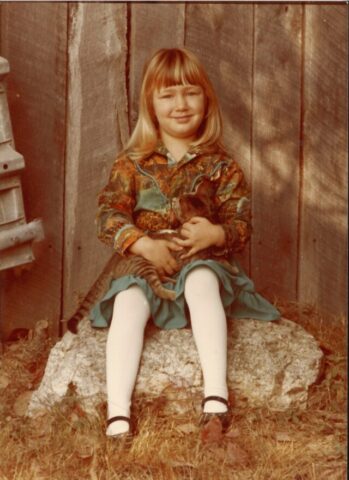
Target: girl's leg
{"x": 210, "y": 333}
{"x": 124, "y": 350}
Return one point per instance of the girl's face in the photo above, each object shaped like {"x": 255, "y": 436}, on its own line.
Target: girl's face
{"x": 180, "y": 110}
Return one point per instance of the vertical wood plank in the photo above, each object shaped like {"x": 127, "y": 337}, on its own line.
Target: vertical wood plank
{"x": 34, "y": 41}
{"x": 153, "y": 26}
{"x": 97, "y": 128}
{"x": 0, "y": 24}
{"x": 323, "y": 261}
{"x": 276, "y": 145}
{"x": 221, "y": 36}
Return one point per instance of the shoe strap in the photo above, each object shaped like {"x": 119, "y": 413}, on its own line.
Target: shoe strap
{"x": 215, "y": 398}
{"x": 115, "y": 419}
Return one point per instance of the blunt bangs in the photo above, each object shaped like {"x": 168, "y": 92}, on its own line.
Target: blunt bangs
{"x": 175, "y": 68}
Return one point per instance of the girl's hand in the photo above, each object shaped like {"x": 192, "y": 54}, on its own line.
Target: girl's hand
{"x": 199, "y": 233}
{"x": 158, "y": 252}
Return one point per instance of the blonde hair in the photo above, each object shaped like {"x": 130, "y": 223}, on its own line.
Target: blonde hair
{"x": 167, "y": 67}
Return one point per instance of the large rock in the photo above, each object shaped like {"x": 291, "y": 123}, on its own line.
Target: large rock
{"x": 269, "y": 363}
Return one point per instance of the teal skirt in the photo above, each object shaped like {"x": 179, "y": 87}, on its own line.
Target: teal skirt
{"x": 238, "y": 294}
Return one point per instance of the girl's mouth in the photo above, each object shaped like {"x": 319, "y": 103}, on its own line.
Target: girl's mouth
{"x": 184, "y": 117}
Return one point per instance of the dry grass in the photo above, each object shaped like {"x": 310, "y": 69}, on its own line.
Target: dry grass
{"x": 67, "y": 444}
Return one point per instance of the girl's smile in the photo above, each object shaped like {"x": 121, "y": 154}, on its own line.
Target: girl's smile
{"x": 180, "y": 110}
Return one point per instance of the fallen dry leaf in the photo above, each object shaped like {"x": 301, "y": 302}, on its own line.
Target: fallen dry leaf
{"x": 187, "y": 428}
{"x": 79, "y": 411}
{"x": 40, "y": 326}
{"x": 212, "y": 431}
{"x": 231, "y": 399}
{"x": 235, "y": 455}
{"x": 4, "y": 381}
{"x": 219, "y": 453}
{"x": 333, "y": 473}
{"x": 86, "y": 446}
{"x": 35, "y": 469}
{"x": 42, "y": 426}
{"x": 283, "y": 437}
{"x": 21, "y": 404}
{"x": 233, "y": 433}
{"x": 179, "y": 462}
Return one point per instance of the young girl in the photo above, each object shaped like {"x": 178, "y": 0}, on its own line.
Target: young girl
{"x": 174, "y": 150}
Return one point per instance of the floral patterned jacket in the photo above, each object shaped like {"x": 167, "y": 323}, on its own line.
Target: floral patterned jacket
{"x": 144, "y": 196}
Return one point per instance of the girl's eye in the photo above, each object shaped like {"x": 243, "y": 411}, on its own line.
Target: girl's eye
{"x": 195, "y": 91}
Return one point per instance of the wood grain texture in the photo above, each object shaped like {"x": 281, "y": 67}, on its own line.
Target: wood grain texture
{"x": 221, "y": 36}
{"x": 34, "y": 41}
{"x": 286, "y": 126}
{"x": 323, "y": 260}
{"x": 97, "y": 128}
{"x": 276, "y": 146}
{"x": 152, "y": 26}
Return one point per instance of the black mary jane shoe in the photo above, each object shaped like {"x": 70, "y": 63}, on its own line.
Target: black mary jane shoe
{"x": 124, "y": 439}
{"x": 224, "y": 417}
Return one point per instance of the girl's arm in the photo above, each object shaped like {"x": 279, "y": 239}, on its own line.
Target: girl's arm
{"x": 234, "y": 210}
{"x": 116, "y": 202}
{"x": 115, "y": 221}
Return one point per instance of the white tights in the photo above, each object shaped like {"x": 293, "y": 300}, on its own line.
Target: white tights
{"x": 125, "y": 342}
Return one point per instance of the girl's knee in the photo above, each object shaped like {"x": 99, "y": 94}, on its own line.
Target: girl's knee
{"x": 134, "y": 293}
{"x": 132, "y": 301}
{"x": 201, "y": 281}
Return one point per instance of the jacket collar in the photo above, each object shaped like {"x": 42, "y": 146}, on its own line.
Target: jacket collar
{"x": 192, "y": 152}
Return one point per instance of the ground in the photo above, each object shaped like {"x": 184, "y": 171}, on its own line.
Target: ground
{"x": 261, "y": 444}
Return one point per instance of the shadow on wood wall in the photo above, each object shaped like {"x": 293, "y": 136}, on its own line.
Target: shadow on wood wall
{"x": 280, "y": 71}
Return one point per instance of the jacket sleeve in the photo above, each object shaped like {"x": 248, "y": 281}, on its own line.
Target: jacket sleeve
{"x": 234, "y": 212}
{"x": 116, "y": 202}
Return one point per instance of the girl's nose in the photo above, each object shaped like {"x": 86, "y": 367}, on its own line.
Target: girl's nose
{"x": 181, "y": 101}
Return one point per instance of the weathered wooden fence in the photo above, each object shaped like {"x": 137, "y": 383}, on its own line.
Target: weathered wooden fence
{"x": 281, "y": 74}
